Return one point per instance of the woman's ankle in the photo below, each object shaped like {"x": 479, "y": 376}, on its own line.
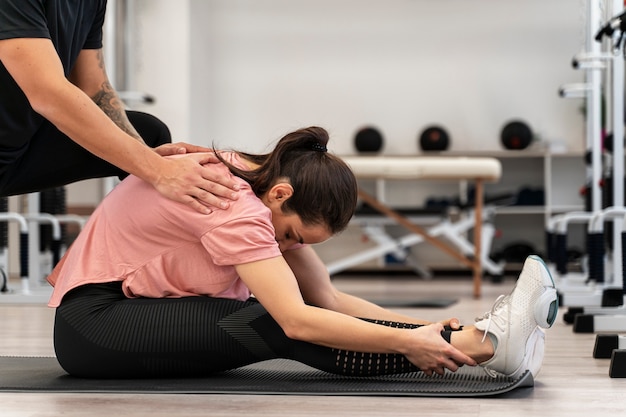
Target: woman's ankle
{"x": 474, "y": 343}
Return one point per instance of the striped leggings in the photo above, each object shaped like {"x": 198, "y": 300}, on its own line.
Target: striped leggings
{"x": 99, "y": 333}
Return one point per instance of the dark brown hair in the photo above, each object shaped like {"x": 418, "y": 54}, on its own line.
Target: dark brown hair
{"x": 325, "y": 189}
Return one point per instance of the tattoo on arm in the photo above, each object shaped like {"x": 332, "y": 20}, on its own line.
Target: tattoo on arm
{"x": 110, "y": 103}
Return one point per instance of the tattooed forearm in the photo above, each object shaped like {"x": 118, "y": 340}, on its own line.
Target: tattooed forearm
{"x": 110, "y": 103}
{"x": 108, "y": 100}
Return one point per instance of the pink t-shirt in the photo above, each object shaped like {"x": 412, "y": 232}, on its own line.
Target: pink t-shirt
{"x": 161, "y": 248}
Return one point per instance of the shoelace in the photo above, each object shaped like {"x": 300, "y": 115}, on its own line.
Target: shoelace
{"x": 500, "y": 301}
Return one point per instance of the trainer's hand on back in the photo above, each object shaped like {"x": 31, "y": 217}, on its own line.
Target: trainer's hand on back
{"x": 185, "y": 180}
{"x": 432, "y": 354}
{"x": 180, "y": 148}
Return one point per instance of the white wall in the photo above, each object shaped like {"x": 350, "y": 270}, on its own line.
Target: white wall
{"x": 240, "y": 73}
{"x": 161, "y": 57}
{"x": 262, "y": 68}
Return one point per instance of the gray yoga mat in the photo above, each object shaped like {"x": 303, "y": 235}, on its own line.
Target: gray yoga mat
{"x": 277, "y": 377}
{"x": 416, "y": 303}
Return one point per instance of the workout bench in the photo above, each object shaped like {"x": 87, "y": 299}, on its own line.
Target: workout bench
{"x": 420, "y": 168}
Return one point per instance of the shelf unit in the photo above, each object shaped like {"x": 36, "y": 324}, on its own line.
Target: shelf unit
{"x": 560, "y": 175}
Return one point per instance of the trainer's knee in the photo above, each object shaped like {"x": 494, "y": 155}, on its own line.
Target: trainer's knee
{"x": 152, "y": 129}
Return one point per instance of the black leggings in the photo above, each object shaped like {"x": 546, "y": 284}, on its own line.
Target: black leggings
{"x": 51, "y": 159}
{"x": 99, "y": 333}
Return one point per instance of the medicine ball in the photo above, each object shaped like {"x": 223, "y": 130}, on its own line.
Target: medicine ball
{"x": 434, "y": 138}
{"x": 368, "y": 139}
{"x": 516, "y": 135}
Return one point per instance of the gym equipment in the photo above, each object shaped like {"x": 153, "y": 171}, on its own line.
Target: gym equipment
{"x": 274, "y": 377}
{"x": 47, "y": 259}
{"x": 35, "y": 263}
{"x": 460, "y": 169}
{"x": 612, "y": 346}
{"x": 596, "y": 290}
{"x": 530, "y": 196}
{"x": 23, "y": 251}
{"x": 516, "y": 134}
{"x": 434, "y": 138}
{"x": 4, "y": 248}
{"x": 556, "y": 238}
{"x": 617, "y": 368}
{"x": 52, "y": 201}
{"x": 368, "y": 140}
{"x": 603, "y": 317}
{"x": 595, "y": 62}
{"x": 602, "y": 307}
{"x": 594, "y": 323}
{"x": 605, "y": 343}
{"x": 595, "y": 297}
{"x": 608, "y": 142}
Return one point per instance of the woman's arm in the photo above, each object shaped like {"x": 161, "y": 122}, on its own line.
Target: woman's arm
{"x": 317, "y": 289}
{"x": 274, "y": 285}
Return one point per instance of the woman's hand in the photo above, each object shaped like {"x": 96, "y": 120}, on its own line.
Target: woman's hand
{"x": 432, "y": 354}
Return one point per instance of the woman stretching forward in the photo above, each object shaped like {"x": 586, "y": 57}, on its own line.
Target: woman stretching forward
{"x": 153, "y": 288}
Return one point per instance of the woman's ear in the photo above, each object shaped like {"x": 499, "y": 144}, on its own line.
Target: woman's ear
{"x": 280, "y": 192}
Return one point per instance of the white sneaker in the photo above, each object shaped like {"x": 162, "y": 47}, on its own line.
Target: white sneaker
{"x": 535, "y": 347}
{"x": 514, "y": 321}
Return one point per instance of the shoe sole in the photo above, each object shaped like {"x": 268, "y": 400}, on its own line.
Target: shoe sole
{"x": 547, "y": 306}
{"x": 533, "y": 354}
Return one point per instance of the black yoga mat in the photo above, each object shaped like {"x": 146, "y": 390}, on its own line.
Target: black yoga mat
{"x": 277, "y": 377}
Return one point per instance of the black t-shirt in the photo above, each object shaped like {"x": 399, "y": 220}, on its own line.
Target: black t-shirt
{"x": 71, "y": 25}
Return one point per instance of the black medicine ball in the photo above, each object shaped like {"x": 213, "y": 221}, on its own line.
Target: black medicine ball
{"x": 516, "y": 135}
{"x": 434, "y": 138}
{"x": 368, "y": 139}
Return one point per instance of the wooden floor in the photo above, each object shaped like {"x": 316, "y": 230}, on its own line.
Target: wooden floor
{"x": 570, "y": 384}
